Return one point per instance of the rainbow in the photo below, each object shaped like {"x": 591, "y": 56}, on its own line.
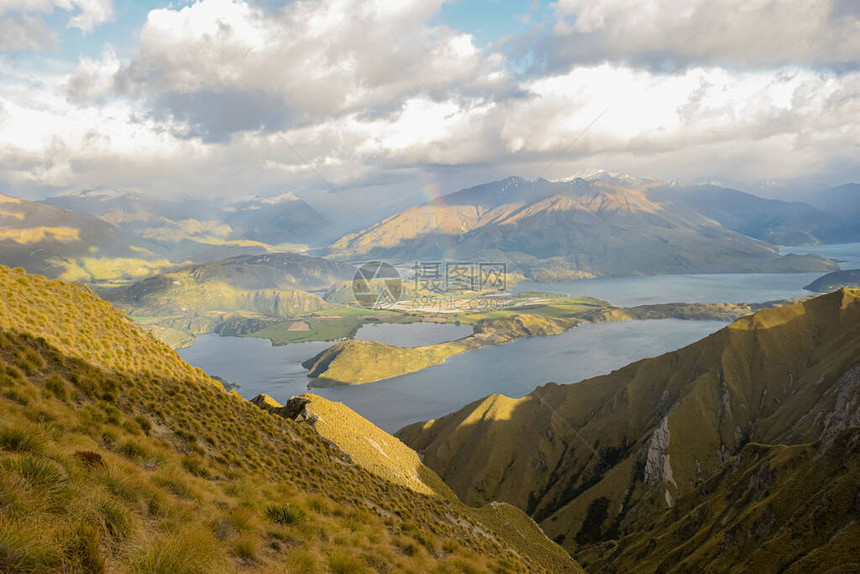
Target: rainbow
{"x": 447, "y": 244}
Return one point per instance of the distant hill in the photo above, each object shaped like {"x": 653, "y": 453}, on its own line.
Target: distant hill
{"x": 740, "y": 452}
{"x": 557, "y": 230}
{"x": 275, "y": 220}
{"x": 42, "y": 238}
{"x": 181, "y": 225}
{"x": 843, "y": 199}
{"x": 115, "y": 455}
{"x": 771, "y": 220}
{"x": 837, "y": 280}
{"x": 199, "y": 298}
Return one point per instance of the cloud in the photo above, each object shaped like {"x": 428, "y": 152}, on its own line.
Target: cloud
{"x": 802, "y": 117}
{"x": 87, "y": 13}
{"x": 23, "y": 26}
{"x": 25, "y": 32}
{"x": 93, "y": 79}
{"x": 666, "y": 34}
{"x": 376, "y": 98}
{"x": 314, "y": 58}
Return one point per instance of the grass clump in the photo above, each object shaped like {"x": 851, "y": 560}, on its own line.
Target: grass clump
{"x": 190, "y": 552}
{"x": 287, "y": 514}
{"x": 116, "y": 519}
{"x": 340, "y": 562}
{"x": 21, "y": 440}
{"x": 40, "y": 473}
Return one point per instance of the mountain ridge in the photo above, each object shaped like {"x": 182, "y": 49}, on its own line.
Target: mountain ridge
{"x": 576, "y": 228}
{"x": 598, "y": 462}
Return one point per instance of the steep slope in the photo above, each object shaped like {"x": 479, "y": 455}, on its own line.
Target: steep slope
{"x": 771, "y": 220}
{"x": 41, "y": 238}
{"x": 602, "y": 463}
{"x": 567, "y": 229}
{"x": 116, "y": 456}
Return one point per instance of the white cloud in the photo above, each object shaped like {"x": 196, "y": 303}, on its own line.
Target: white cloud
{"x": 86, "y": 13}
{"x": 370, "y": 91}
{"x": 25, "y": 32}
{"x": 759, "y": 33}
{"x": 23, "y": 26}
{"x": 319, "y": 57}
{"x": 93, "y": 79}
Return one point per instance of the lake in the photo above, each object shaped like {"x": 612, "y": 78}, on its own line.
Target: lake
{"x": 704, "y": 288}
{"x": 716, "y": 288}
{"x": 514, "y": 369}
{"x": 848, "y": 254}
{"x": 412, "y": 334}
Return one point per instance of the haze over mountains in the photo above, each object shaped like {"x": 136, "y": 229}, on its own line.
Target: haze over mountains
{"x": 775, "y": 221}
{"x": 580, "y": 228}
{"x": 604, "y": 225}
{"x": 203, "y": 229}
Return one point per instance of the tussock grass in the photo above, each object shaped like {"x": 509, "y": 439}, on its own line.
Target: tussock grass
{"x": 116, "y": 456}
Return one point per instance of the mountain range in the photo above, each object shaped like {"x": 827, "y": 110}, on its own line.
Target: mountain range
{"x": 606, "y": 224}
{"x": 577, "y": 228}
{"x": 736, "y": 453}
{"x": 775, "y": 221}
{"x": 203, "y": 229}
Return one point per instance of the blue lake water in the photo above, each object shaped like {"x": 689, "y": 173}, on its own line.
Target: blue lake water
{"x": 716, "y": 288}
{"x": 412, "y": 334}
{"x": 848, "y": 254}
{"x": 514, "y": 369}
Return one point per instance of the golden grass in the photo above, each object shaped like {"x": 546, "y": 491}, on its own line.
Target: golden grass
{"x": 147, "y": 465}
{"x": 37, "y": 234}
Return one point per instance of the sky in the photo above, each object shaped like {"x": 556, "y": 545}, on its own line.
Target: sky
{"x": 378, "y": 104}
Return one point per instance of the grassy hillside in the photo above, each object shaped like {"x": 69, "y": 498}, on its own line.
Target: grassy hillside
{"x": 673, "y": 448}
{"x": 356, "y": 362}
{"x": 51, "y": 241}
{"x": 116, "y": 456}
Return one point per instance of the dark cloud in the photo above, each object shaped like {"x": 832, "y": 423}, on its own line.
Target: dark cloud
{"x": 216, "y": 116}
